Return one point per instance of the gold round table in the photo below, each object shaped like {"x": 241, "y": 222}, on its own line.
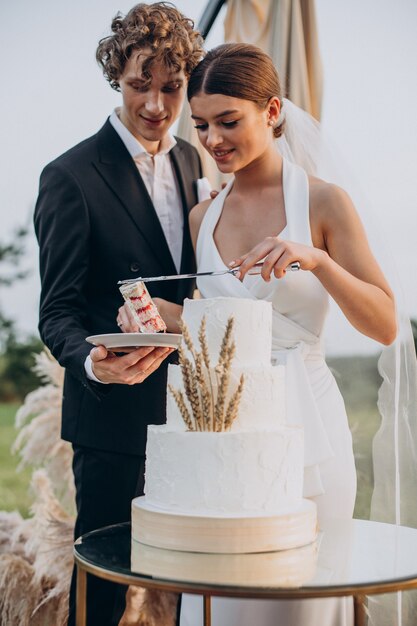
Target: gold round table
{"x": 350, "y": 558}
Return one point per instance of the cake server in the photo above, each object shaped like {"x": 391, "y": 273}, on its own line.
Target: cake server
{"x": 150, "y": 279}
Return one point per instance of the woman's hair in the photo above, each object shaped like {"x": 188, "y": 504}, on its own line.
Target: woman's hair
{"x": 160, "y": 28}
{"x": 238, "y": 70}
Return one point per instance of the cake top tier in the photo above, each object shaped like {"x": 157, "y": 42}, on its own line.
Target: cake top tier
{"x": 252, "y": 329}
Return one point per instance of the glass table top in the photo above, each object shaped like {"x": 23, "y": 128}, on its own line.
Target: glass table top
{"x": 353, "y": 554}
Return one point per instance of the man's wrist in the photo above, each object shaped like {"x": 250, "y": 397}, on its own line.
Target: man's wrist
{"x": 88, "y": 366}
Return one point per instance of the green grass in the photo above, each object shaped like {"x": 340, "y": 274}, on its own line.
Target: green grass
{"x": 364, "y": 425}
{"x": 14, "y": 485}
{"x": 359, "y": 381}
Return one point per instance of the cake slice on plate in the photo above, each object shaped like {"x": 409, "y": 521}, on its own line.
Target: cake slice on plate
{"x": 143, "y": 308}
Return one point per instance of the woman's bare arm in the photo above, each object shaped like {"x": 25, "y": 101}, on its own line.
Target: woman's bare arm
{"x": 340, "y": 258}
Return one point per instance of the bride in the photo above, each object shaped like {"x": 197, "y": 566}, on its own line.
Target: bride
{"x": 272, "y": 211}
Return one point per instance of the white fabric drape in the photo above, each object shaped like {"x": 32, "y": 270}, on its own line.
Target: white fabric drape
{"x": 287, "y": 31}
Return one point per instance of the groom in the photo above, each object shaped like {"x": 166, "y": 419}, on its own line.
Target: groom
{"x": 116, "y": 206}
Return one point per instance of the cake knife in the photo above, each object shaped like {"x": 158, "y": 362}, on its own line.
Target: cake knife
{"x": 293, "y": 267}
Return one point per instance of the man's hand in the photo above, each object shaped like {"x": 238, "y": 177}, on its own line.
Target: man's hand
{"x": 126, "y": 320}
{"x": 129, "y": 369}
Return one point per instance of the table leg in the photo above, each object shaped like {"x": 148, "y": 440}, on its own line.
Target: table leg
{"x": 81, "y": 598}
{"x": 207, "y": 610}
{"x": 359, "y": 603}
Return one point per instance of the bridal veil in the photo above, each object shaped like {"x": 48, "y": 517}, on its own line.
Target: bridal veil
{"x": 394, "y": 447}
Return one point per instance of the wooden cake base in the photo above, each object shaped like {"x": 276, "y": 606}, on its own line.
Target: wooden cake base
{"x": 286, "y": 568}
{"x": 235, "y": 535}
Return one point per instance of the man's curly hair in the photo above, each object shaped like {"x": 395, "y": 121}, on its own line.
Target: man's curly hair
{"x": 159, "y": 27}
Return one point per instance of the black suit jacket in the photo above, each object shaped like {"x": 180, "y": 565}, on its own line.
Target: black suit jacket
{"x": 96, "y": 224}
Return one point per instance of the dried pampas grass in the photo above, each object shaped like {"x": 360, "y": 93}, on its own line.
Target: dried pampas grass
{"x": 39, "y": 442}
{"x": 9, "y": 522}
{"x": 35, "y": 575}
{"x": 48, "y": 369}
{"x": 50, "y": 545}
{"x": 21, "y": 597}
{"x": 147, "y": 607}
{"x": 20, "y": 593}
{"x": 36, "y": 554}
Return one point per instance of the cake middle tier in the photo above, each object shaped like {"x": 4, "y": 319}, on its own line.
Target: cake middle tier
{"x": 262, "y": 404}
{"x": 252, "y": 327}
{"x": 226, "y": 473}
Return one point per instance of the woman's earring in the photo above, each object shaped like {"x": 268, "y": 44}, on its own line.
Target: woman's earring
{"x": 271, "y": 122}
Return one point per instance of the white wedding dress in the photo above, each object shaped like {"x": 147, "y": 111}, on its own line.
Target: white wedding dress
{"x": 300, "y": 304}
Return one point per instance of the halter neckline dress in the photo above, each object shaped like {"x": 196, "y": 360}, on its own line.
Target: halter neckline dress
{"x": 313, "y": 400}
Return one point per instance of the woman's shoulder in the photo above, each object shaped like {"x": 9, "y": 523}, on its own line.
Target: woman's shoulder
{"x": 323, "y": 190}
{"x": 328, "y": 200}
{"x": 332, "y": 213}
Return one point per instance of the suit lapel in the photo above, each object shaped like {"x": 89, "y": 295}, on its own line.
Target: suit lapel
{"x": 184, "y": 176}
{"x": 119, "y": 171}
{"x": 188, "y": 197}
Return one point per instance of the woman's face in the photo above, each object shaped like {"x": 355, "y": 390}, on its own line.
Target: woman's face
{"x": 234, "y": 131}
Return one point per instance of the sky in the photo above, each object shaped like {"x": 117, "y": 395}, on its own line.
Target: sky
{"x": 53, "y": 96}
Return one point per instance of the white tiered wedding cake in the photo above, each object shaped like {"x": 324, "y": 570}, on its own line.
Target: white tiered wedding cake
{"x": 225, "y": 474}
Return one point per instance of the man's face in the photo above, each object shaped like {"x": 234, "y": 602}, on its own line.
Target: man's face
{"x": 148, "y": 111}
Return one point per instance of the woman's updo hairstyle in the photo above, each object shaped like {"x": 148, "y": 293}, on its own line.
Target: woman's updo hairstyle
{"x": 238, "y": 70}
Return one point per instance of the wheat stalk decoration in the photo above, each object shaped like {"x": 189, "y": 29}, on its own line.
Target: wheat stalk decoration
{"x": 187, "y": 337}
{"x": 207, "y": 410}
{"x": 233, "y": 406}
{"x": 205, "y": 395}
{"x": 185, "y": 414}
{"x": 202, "y": 338}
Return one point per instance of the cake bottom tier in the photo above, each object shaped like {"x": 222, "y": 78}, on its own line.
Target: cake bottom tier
{"x": 224, "y": 474}
{"x": 234, "y": 535}
{"x": 285, "y": 568}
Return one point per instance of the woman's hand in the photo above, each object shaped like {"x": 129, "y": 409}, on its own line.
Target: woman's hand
{"x": 277, "y": 254}
{"x": 214, "y": 192}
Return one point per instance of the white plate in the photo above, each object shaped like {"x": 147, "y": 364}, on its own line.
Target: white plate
{"x": 135, "y": 340}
